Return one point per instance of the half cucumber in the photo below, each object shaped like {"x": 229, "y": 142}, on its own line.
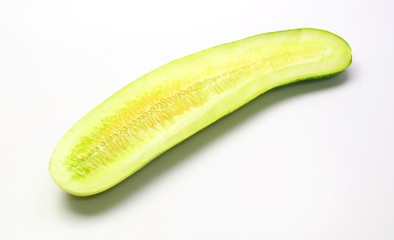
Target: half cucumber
{"x": 169, "y": 104}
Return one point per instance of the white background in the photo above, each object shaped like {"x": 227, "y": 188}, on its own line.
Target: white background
{"x": 313, "y": 160}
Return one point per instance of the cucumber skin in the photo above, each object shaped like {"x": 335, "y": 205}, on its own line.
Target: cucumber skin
{"x": 88, "y": 192}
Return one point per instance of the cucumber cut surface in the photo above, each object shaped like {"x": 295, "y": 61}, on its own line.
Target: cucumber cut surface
{"x": 169, "y": 104}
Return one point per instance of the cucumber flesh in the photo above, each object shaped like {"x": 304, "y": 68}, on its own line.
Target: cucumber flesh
{"x": 169, "y": 104}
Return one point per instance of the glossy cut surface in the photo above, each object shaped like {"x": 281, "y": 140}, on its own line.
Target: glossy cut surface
{"x": 167, "y": 105}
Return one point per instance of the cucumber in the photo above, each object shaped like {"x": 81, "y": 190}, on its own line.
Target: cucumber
{"x": 169, "y": 104}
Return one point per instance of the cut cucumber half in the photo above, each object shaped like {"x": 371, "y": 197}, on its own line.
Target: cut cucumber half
{"x": 169, "y": 104}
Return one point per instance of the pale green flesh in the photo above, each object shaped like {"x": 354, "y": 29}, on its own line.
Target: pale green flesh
{"x": 169, "y": 104}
